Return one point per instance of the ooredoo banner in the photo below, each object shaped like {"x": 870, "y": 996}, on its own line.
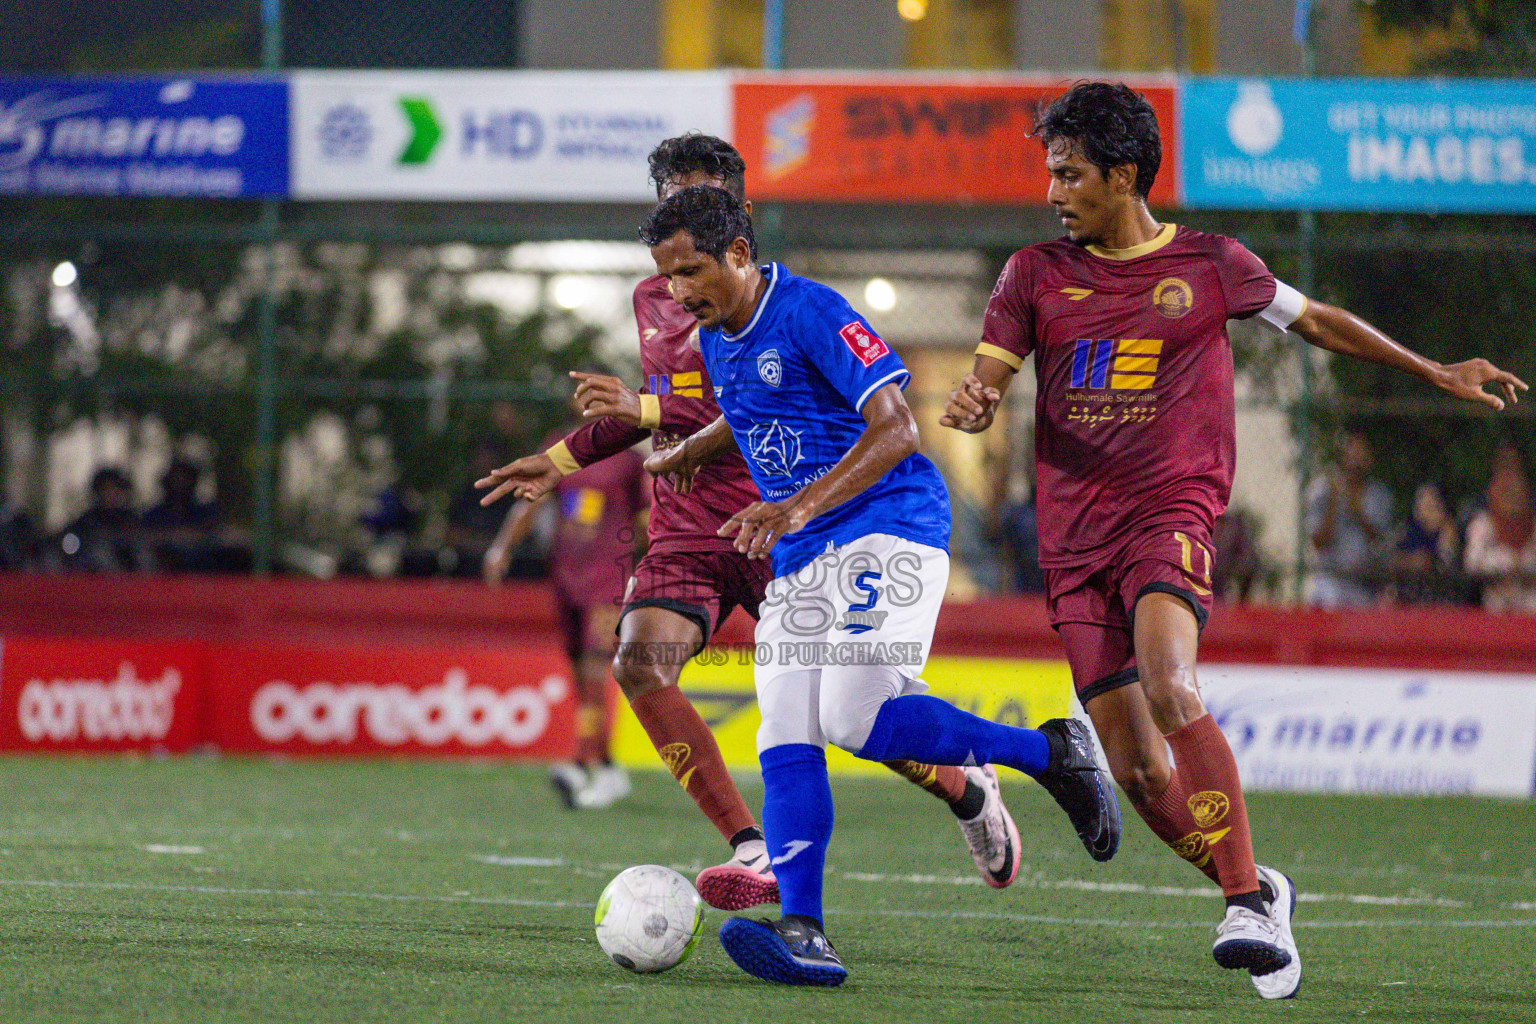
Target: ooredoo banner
{"x": 1341, "y": 730}
{"x": 910, "y": 140}
{"x": 493, "y": 135}
{"x": 332, "y": 700}
{"x": 103, "y": 695}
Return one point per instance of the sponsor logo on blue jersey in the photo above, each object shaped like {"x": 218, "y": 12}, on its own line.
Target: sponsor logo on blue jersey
{"x": 775, "y": 448}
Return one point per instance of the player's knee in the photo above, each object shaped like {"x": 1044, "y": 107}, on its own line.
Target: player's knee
{"x": 848, "y": 727}
{"x": 1172, "y": 693}
{"x": 636, "y": 677}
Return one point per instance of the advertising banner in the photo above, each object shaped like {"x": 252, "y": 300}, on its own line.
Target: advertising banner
{"x": 99, "y": 695}
{"x": 1341, "y": 730}
{"x": 910, "y": 140}
{"x": 144, "y": 136}
{"x": 468, "y": 135}
{"x": 719, "y": 683}
{"x": 1359, "y": 144}
{"x": 516, "y": 702}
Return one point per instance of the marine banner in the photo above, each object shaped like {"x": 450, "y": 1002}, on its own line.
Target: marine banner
{"x": 190, "y": 137}
{"x": 911, "y": 139}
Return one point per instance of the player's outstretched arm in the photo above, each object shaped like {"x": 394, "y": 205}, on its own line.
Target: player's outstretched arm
{"x": 498, "y": 557}
{"x": 531, "y": 477}
{"x": 1339, "y": 330}
{"x": 682, "y": 461}
{"x": 973, "y": 403}
{"x": 890, "y": 435}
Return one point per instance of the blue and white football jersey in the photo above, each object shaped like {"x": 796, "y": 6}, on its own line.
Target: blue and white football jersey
{"x": 792, "y": 386}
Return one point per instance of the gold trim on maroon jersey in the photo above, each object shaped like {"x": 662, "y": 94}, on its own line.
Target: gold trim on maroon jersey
{"x": 1159, "y": 240}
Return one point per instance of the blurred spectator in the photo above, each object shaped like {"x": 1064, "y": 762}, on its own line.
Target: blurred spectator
{"x": 1239, "y": 565}
{"x": 182, "y": 530}
{"x": 1427, "y": 555}
{"x": 472, "y": 527}
{"x": 108, "y": 536}
{"x": 1021, "y": 539}
{"x": 1348, "y": 520}
{"x": 18, "y": 538}
{"x": 1501, "y": 541}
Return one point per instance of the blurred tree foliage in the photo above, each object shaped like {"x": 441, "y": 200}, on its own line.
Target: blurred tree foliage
{"x": 167, "y": 335}
{"x": 1495, "y": 37}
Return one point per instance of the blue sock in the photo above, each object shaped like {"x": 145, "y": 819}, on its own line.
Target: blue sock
{"x": 797, "y": 822}
{"x": 918, "y": 727}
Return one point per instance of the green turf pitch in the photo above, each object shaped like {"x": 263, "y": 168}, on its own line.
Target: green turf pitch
{"x": 235, "y": 890}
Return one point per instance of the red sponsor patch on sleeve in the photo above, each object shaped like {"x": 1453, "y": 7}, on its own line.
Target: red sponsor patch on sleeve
{"x": 863, "y": 342}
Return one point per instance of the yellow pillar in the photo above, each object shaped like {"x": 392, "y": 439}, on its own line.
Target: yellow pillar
{"x": 958, "y": 33}
{"x": 698, "y": 34}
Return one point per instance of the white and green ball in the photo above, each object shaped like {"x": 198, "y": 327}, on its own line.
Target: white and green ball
{"x": 649, "y": 919}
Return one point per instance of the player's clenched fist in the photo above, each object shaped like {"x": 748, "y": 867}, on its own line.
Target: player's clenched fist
{"x": 971, "y": 405}
{"x": 530, "y": 477}
{"x": 601, "y": 395}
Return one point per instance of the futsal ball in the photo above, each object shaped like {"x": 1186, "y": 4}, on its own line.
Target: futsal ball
{"x": 649, "y": 919}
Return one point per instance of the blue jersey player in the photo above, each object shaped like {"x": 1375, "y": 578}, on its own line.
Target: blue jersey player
{"x": 856, "y": 523}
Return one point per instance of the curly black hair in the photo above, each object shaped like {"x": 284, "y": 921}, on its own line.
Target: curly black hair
{"x": 713, "y": 216}
{"x": 696, "y": 152}
{"x": 1110, "y": 125}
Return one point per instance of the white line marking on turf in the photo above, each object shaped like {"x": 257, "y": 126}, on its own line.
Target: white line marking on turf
{"x": 383, "y": 897}
{"x": 162, "y": 848}
{"x": 519, "y": 862}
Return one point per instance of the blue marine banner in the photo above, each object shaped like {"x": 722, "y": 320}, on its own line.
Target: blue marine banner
{"x": 1359, "y": 144}
{"x": 144, "y": 136}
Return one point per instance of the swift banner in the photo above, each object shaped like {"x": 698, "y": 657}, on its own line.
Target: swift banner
{"x": 144, "y": 137}
{"x": 909, "y": 140}
{"x": 1359, "y": 144}
{"x": 1341, "y": 730}
{"x": 556, "y": 136}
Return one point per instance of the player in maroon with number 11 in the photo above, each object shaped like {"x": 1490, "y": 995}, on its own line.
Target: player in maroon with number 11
{"x": 1135, "y": 444}
{"x": 691, "y": 578}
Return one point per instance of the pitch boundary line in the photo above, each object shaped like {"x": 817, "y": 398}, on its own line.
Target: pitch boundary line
{"x": 497, "y": 901}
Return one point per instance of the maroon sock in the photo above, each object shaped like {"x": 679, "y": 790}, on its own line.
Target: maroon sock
{"x": 1208, "y": 772}
{"x": 690, "y": 752}
{"x": 1169, "y": 818}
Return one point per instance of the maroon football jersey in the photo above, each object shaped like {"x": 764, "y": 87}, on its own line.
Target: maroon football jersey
{"x": 1134, "y": 424}
{"x": 675, "y": 375}
{"x": 594, "y": 546}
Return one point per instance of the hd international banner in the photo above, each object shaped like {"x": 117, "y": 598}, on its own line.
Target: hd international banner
{"x": 187, "y": 137}
{"x": 1359, "y": 144}
{"x": 911, "y": 139}
{"x": 473, "y": 135}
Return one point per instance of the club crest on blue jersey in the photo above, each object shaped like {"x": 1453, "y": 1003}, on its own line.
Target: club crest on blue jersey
{"x": 775, "y": 447}
{"x": 769, "y": 368}
{"x": 861, "y": 617}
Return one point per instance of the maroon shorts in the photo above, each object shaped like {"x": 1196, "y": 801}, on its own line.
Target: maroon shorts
{"x": 1093, "y": 606}
{"x": 704, "y": 586}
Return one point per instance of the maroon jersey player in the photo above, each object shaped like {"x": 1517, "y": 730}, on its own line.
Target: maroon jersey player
{"x": 1125, "y": 321}
{"x": 691, "y": 578}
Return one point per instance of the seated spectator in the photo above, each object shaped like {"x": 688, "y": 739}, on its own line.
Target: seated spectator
{"x": 1501, "y": 542}
{"x": 1238, "y": 564}
{"x": 1021, "y": 539}
{"x": 183, "y": 530}
{"x": 1348, "y": 520}
{"x": 108, "y": 536}
{"x": 18, "y": 538}
{"x": 1427, "y": 555}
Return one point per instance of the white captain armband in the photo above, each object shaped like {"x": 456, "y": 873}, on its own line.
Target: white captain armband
{"x": 1287, "y": 308}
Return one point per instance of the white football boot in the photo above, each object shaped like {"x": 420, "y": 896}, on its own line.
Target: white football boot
{"x": 992, "y": 836}
{"x": 1284, "y": 983}
{"x": 1250, "y": 942}
{"x": 606, "y": 786}
{"x": 746, "y": 880}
